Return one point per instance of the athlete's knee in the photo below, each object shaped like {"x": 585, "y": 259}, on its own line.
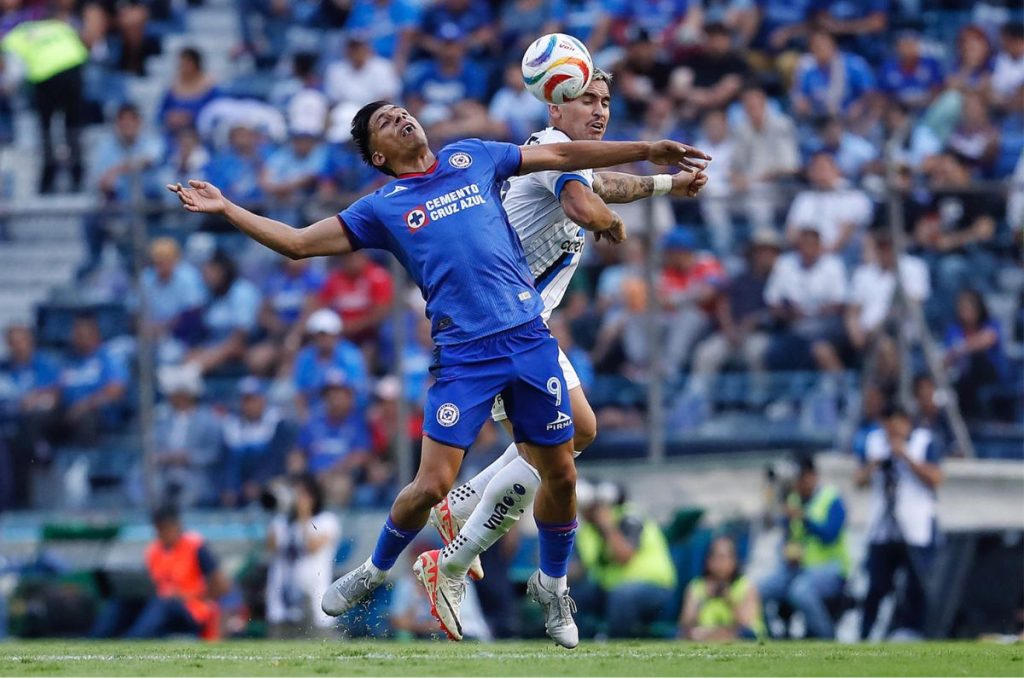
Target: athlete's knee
{"x": 559, "y": 473}
{"x": 430, "y": 489}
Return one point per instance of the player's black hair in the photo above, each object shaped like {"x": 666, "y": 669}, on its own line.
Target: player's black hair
{"x": 361, "y": 133}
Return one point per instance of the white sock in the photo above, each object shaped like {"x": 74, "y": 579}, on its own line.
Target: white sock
{"x": 464, "y": 498}
{"x": 501, "y": 504}
{"x": 555, "y": 584}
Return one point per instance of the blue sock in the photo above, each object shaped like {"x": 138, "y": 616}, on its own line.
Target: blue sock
{"x": 390, "y": 544}
{"x": 555, "y": 547}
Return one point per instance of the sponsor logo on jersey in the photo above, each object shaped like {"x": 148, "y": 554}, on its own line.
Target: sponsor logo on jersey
{"x": 396, "y": 189}
{"x": 448, "y": 415}
{"x": 416, "y": 218}
{"x": 460, "y": 160}
{"x": 563, "y": 421}
{"x": 453, "y": 202}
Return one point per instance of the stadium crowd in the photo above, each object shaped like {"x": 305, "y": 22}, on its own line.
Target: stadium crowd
{"x": 272, "y": 369}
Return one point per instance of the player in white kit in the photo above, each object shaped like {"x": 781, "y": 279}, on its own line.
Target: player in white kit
{"x": 550, "y": 211}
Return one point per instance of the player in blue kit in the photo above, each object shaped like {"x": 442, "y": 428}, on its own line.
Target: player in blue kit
{"x": 442, "y": 218}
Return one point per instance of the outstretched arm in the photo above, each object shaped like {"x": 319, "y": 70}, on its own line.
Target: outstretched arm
{"x": 325, "y": 237}
{"x": 618, "y": 187}
{"x": 575, "y": 155}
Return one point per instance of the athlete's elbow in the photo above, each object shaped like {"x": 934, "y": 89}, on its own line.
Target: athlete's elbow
{"x": 581, "y": 213}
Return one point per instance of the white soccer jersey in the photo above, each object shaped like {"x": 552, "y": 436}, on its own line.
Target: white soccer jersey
{"x": 553, "y": 243}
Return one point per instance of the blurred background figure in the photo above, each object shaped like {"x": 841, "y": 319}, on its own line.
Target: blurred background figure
{"x": 722, "y": 604}
{"x": 302, "y": 541}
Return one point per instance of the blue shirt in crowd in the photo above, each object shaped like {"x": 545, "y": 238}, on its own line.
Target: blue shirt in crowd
{"x": 310, "y": 369}
{"x": 654, "y": 16}
{"x": 287, "y": 293}
{"x": 912, "y": 88}
{"x": 579, "y": 18}
{"x": 443, "y": 89}
{"x": 327, "y": 443}
{"x": 166, "y": 299}
{"x": 285, "y": 165}
{"x": 383, "y": 22}
{"x": 438, "y": 19}
{"x": 17, "y": 380}
{"x": 84, "y": 376}
{"x": 238, "y": 309}
{"x": 236, "y": 176}
{"x": 813, "y": 82}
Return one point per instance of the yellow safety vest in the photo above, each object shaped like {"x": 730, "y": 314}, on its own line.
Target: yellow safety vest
{"x": 814, "y": 550}
{"x": 46, "y": 47}
{"x": 651, "y": 564}
{"x": 718, "y": 612}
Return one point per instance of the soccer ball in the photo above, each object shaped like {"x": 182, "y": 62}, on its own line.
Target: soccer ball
{"x": 557, "y": 68}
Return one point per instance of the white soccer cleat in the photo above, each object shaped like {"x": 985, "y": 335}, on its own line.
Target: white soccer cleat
{"x": 448, "y": 526}
{"x": 558, "y": 611}
{"x": 351, "y": 588}
{"x": 445, "y": 593}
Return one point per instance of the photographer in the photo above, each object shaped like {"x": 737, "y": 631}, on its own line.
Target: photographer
{"x": 302, "y": 541}
{"x": 815, "y": 559}
{"x": 723, "y": 603}
{"x": 901, "y": 465}
{"x": 630, "y": 575}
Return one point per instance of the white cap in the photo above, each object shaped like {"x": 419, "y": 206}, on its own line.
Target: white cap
{"x": 339, "y": 123}
{"x": 325, "y": 320}
{"x": 186, "y": 379}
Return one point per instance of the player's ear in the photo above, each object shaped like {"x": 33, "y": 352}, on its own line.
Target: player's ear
{"x": 554, "y": 112}
{"x": 377, "y": 159}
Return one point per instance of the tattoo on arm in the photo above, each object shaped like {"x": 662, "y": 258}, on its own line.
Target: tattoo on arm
{"x": 617, "y": 187}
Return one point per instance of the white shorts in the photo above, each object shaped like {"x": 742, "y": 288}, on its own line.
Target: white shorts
{"x": 572, "y": 380}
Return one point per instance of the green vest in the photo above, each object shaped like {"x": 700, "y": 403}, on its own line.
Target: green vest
{"x": 46, "y": 47}
{"x": 718, "y": 612}
{"x": 651, "y": 564}
{"x": 814, "y": 551}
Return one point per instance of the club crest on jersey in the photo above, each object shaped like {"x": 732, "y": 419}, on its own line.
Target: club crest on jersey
{"x": 416, "y": 218}
{"x": 460, "y": 160}
{"x": 448, "y": 415}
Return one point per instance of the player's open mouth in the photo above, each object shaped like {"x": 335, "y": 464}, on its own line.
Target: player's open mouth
{"x": 597, "y": 126}
{"x": 408, "y": 129}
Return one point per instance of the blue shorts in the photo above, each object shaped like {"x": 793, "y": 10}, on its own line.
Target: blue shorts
{"x": 520, "y": 364}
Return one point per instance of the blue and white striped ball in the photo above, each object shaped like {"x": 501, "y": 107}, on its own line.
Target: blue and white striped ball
{"x": 557, "y": 68}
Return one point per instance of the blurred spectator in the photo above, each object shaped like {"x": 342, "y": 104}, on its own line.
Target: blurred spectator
{"x": 255, "y": 441}
{"x": 722, "y": 604}
{"x": 974, "y": 352}
{"x": 327, "y": 352}
{"x": 630, "y": 577}
{"x": 514, "y": 107}
{"x": 520, "y": 22}
{"x": 1008, "y": 69}
{"x": 236, "y": 169}
{"x": 384, "y": 422}
{"x": 445, "y": 18}
{"x": 972, "y": 69}
{"x": 587, "y": 20}
{"x": 53, "y": 58}
{"x": 188, "y": 583}
{"x": 850, "y": 152}
{"x": 290, "y": 294}
{"x": 391, "y": 25}
{"x": 335, "y": 443}
{"x": 711, "y": 78}
{"x": 910, "y": 77}
{"x": 302, "y": 540}
{"x": 187, "y": 437}
{"x": 344, "y": 177}
{"x": 688, "y": 289}
{"x": 448, "y": 90}
{"x": 928, "y": 401}
{"x": 189, "y": 92}
{"x": 28, "y": 384}
{"x": 838, "y": 212}
{"x": 360, "y": 291}
{"x": 765, "y": 152}
{"x": 289, "y": 176}
{"x": 782, "y": 25}
{"x": 806, "y": 292}
{"x": 742, "y": 316}
{"x": 954, "y": 222}
{"x": 15, "y": 12}
{"x": 901, "y": 465}
{"x": 216, "y": 333}
{"x": 874, "y": 310}
{"x": 815, "y": 560}
{"x": 621, "y": 346}
{"x": 915, "y": 142}
{"x": 715, "y": 206}
{"x": 304, "y": 79}
{"x": 188, "y": 159}
{"x": 642, "y": 74}
{"x": 668, "y": 22}
{"x": 857, "y": 25}
{"x": 169, "y": 286}
{"x": 975, "y": 139}
{"x": 93, "y": 381}
{"x": 132, "y": 43}
{"x": 363, "y": 75}
{"x": 830, "y": 82}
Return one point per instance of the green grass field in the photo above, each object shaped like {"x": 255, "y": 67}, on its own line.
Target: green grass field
{"x": 283, "y": 658}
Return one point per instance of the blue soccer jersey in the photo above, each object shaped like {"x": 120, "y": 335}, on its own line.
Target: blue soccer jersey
{"x": 449, "y": 230}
